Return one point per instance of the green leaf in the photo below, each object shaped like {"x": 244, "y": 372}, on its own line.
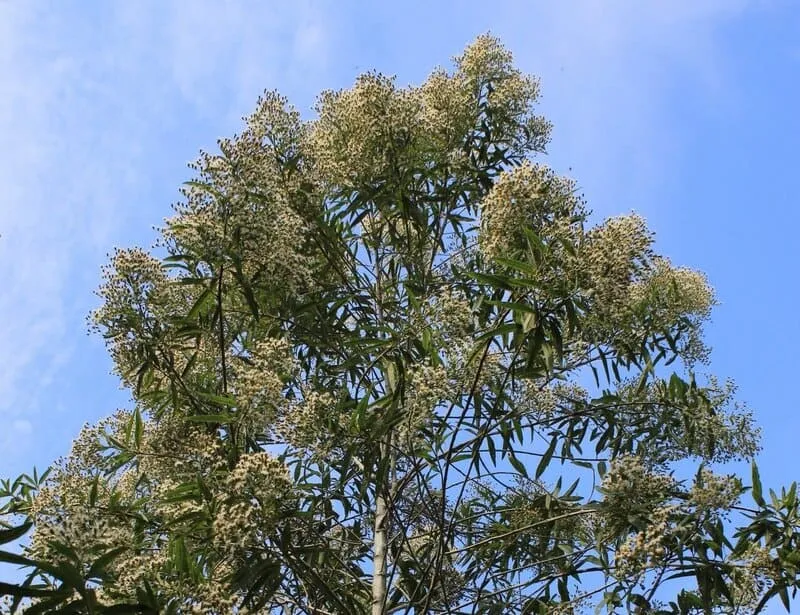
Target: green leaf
{"x": 756, "y": 489}
{"x": 211, "y": 418}
{"x": 21, "y": 591}
{"x": 518, "y": 465}
{"x": 99, "y": 565}
{"x": 220, "y": 400}
{"x": 548, "y": 455}
{"x": 13, "y": 558}
{"x": 12, "y": 534}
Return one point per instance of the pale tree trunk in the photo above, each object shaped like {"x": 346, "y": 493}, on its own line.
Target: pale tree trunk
{"x": 379, "y": 552}
{"x": 382, "y": 488}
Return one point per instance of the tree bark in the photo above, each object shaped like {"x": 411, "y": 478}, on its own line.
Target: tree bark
{"x": 379, "y": 552}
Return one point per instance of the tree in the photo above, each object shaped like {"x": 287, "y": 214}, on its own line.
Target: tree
{"x": 386, "y": 364}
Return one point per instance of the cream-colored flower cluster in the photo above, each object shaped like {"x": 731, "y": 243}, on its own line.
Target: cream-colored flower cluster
{"x": 630, "y": 488}
{"x": 544, "y": 403}
{"x": 309, "y": 421}
{"x": 645, "y": 549}
{"x": 635, "y": 292}
{"x": 451, "y": 315}
{"x": 133, "y": 295}
{"x": 428, "y": 386}
{"x": 752, "y": 576}
{"x": 360, "y": 131}
{"x": 256, "y": 489}
{"x": 449, "y": 110}
{"x": 714, "y": 492}
{"x": 255, "y": 201}
{"x": 81, "y": 529}
{"x": 512, "y": 94}
{"x": 533, "y": 197}
{"x": 63, "y": 511}
{"x": 259, "y": 387}
{"x": 669, "y": 294}
{"x": 673, "y": 291}
{"x": 363, "y": 134}
{"x": 614, "y": 254}
{"x": 313, "y": 423}
{"x": 242, "y": 505}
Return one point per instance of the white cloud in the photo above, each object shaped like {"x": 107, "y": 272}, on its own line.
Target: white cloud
{"x": 90, "y": 105}
{"x": 221, "y": 55}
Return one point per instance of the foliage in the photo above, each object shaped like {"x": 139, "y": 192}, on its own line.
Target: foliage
{"x": 389, "y": 365}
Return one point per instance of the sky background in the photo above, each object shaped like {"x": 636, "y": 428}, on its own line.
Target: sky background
{"x": 684, "y": 111}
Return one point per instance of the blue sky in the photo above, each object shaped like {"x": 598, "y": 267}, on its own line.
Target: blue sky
{"x": 683, "y": 110}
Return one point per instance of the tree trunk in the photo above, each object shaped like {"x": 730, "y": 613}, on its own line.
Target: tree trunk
{"x": 379, "y": 553}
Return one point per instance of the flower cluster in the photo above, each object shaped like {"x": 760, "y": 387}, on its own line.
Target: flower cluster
{"x": 349, "y": 139}
{"x": 670, "y": 295}
{"x": 722, "y": 421}
{"x": 259, "y": 387}
{"x": 133, "y": 295}
{"x": 451, "y": 315}
{"x": 631, "y": 491}
{"x": 713, "y": 492}
{"x": 247, "y": 202}
{"x": 544, "y": 403}
{"x": 614, "y": 255}
{"x": 754, "y": 575}
{"x": 486, "y": 67}
{"x": 314, "y": 422}
{"x": 256, "y": 488}
{"x": 427, "y": 387}
{"x": 532, "y": 197}
{"x": 85, "y": 504}
{"x": 645, "y": 549}
{"x": 362, "y": 134}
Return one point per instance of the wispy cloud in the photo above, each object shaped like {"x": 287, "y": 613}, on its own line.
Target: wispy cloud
{"x": 95, "y": 102}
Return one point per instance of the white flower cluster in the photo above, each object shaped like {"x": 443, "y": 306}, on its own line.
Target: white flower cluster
{"x": 133, "y": 294}
{"x": 512, "y": 94}
{"x": 727, "y": 425}
{"x": 365, "y": 132}
{"x": 714, "y": 492}
{"x": 614, "y": 254}
{"x": 632, "y": 489}
{"x": 312, "y": 423}
{"x": 259, "y": 387}
{"x": 451, "y": 315}
{"x": 673, "y": 291}
{"x": 544, "y": 403}
{"x": 245, "y": 202}
{"x": 754, "y": 575}
{"x": 255, "y": 490}
{"x": 349, "y": 139}
{"x": 667, "y": 294}
{"x": 645, "y": 549}
{"x": 530, "y": 196}
{"x": 241, "y": 506}
{"x": 427, "y": 387}
{"x": 71, "y": 507}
